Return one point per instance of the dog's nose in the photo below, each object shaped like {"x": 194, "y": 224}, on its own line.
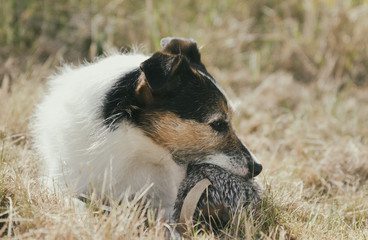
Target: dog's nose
{"x": 255, "y": 168}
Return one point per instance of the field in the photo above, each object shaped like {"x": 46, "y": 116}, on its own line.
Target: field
{"x": 296, "y": 72}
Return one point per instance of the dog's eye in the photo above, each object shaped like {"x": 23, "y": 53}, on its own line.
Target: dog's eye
{"x": 220, "y": 126}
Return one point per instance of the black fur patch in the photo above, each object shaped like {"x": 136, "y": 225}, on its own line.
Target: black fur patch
{"x": 120, "y": 102}
{"x": 179, "y": 84}
{"x": 195, "y": 99}
{"x": 161, "y": 70}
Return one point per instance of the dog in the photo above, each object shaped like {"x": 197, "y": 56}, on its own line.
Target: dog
{"x": 130, "y": 120}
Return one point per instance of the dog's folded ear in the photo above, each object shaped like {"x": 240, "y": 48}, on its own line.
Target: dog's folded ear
{"x": 162, "y": 74}
{"x": 161, "y": 70}
{"x": 182, "y": 46}
{"x": 165, "y": 70}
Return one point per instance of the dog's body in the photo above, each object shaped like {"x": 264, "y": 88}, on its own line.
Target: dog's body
{"x": 127, "y": 121}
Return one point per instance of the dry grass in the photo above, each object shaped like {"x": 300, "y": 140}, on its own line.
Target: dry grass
{"x": 295, "y": 70}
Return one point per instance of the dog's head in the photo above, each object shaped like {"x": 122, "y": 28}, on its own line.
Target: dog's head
{"x": 186, "y": 111}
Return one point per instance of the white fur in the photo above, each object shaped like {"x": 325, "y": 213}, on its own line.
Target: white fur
{"x": 79, "y": 151}
{"x": 222, "y": 160}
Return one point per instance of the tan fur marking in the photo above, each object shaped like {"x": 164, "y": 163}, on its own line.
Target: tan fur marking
{"x": 176, "y": 65}
{"x": 189, "y": 137}
{"x": 226, "y": 109}
{"x": 177, "y": 134}
{"x": 197, "y": 73}
{"x": 143, "y": 91}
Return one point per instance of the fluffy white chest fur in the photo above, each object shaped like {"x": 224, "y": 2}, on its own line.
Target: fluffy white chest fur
{"x": 80, "y": 151}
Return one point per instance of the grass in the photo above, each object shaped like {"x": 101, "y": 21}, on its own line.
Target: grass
{"x": 295, "y": 70}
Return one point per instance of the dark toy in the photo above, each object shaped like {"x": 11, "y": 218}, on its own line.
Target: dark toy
{"x": 227, "y": 193}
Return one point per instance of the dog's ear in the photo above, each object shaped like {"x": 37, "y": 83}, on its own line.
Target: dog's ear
{"x": 182, "y": 46}
{"x": 162, "y": 74}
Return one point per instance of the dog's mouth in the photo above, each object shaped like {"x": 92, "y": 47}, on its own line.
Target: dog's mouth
{"x": 242, "y": 172}
{"x": 249, "y": 176}
{"x": 248, "y": 173}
